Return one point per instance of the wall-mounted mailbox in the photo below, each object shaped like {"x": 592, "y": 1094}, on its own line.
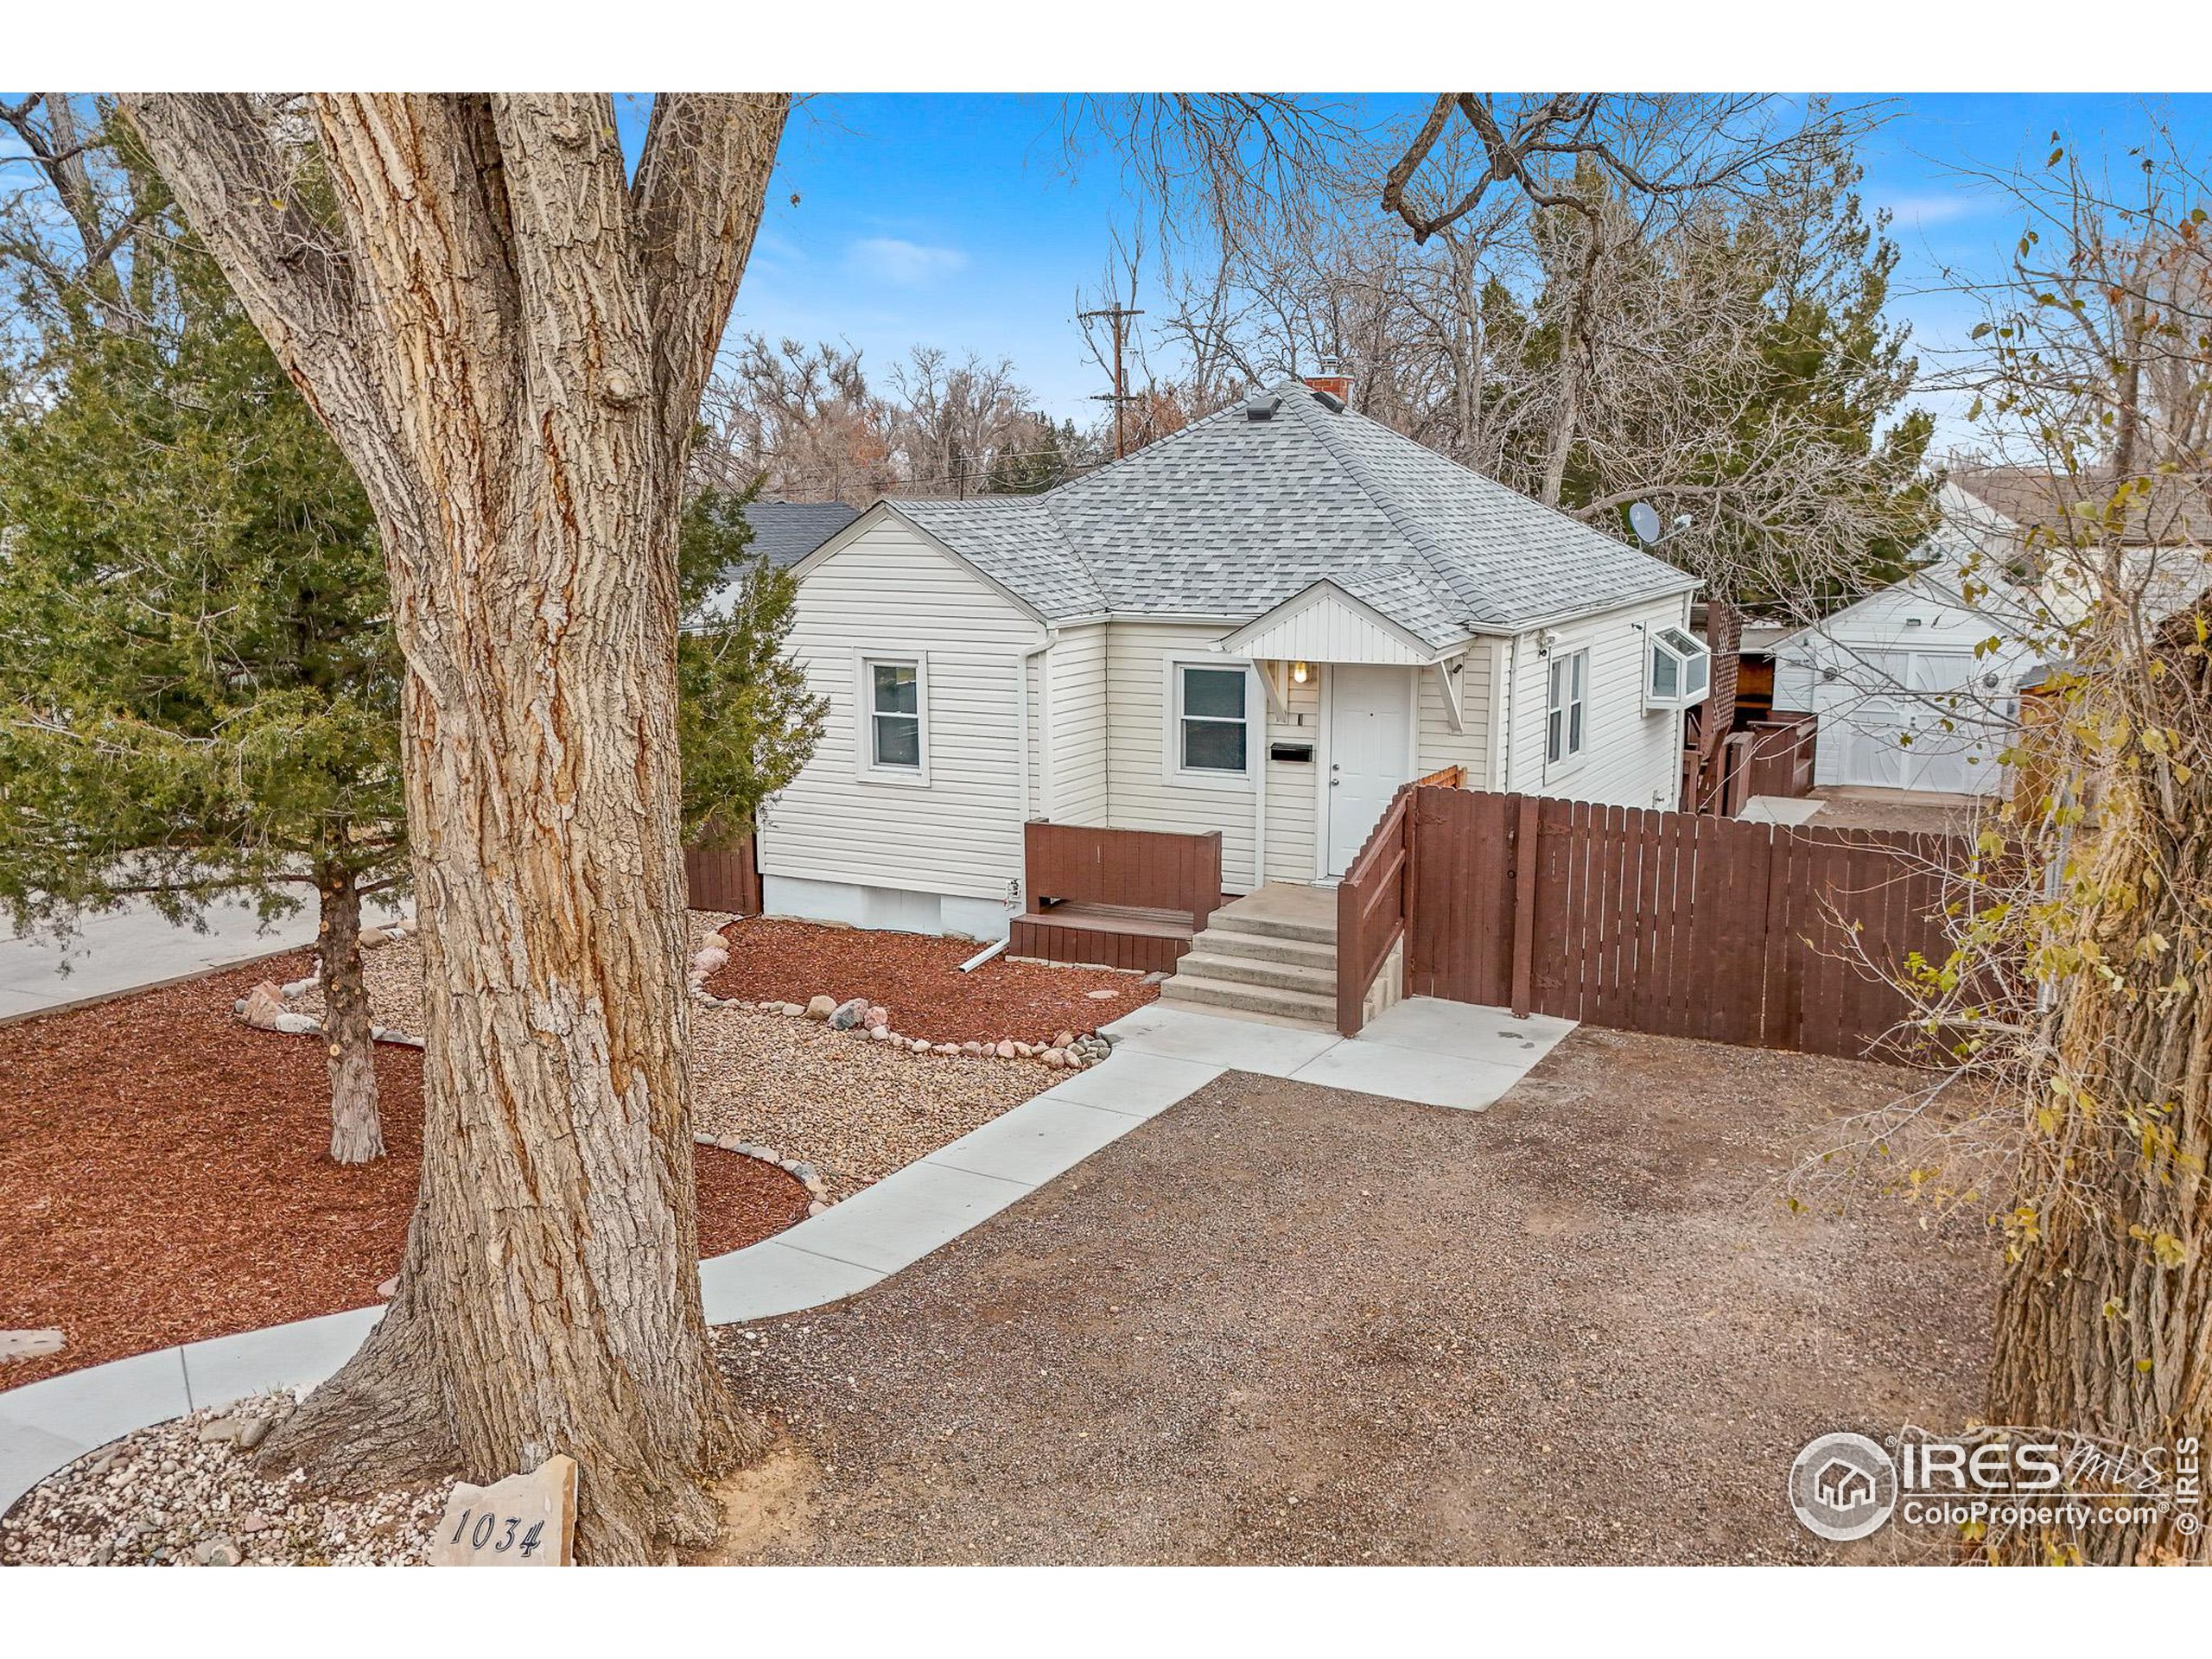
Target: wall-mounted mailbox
{"x": 1300, "y": 752}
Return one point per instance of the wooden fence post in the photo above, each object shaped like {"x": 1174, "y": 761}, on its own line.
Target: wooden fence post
{"x": 1524, "y": 908}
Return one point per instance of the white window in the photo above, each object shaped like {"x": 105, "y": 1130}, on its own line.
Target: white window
{"x": 1567, "y": 725}
{"x": 1678, "y": 671}
{"x": 1212, "y": 730}
{"x": 894, "y": 744}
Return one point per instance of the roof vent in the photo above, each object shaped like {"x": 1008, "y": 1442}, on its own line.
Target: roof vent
{"x": 1262, "y": 406}
{"x": 1330, "y": 401}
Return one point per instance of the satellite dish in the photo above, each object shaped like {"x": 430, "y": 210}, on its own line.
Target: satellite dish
{"x": 1644, "y": 519}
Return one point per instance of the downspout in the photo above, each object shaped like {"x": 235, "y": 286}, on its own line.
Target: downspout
{"x": 1019, "y": 889}
{"x": 1502, "y": 712}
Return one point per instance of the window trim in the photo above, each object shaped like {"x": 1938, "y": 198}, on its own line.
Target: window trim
{"x": 1577, "y": 664}
{"x": 1255, "y": 727}
{"x": 865, "y": 767}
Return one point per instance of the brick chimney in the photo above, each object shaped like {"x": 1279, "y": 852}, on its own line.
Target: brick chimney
{"x": 1332, "y": 380}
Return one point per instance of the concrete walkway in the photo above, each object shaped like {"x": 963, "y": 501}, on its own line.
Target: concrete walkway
{"x": 132, "y": 949}
{"x": 1436, "y": 1054}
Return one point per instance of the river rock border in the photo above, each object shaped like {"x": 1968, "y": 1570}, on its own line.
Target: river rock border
{"x": 1066, "y": 1051}
{"x": 265, "y": 1006}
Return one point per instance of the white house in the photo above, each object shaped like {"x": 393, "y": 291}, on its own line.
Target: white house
{"x": 1263, "y": 625}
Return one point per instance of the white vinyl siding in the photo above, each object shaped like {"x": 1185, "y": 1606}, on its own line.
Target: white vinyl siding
{"x": 1143, "y": 791}
{"x": 892, "y": 595}
{"x": 1075, "y": 677}
{"x": 1292, "y": 783}
{"x": 1629, "y": 758}
{"x": 1439, "y": 745}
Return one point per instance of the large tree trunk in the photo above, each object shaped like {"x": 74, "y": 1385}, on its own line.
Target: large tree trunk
{"x": 2104, "y": 1323}
{"x": 356, "y": 1131}
{"x": 510, "y": 343}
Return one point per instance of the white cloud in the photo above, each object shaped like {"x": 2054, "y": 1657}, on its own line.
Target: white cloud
{"x": 1923, "y": 211}
{"x": 908, "y": 265}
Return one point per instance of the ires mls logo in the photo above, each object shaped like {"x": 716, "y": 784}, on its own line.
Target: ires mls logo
{"x": 1843, "y": 1487}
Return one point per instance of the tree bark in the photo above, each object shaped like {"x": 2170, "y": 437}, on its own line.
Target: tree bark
{"x": 356, "y": 1130}
{"x": 2104, "y": 1319}
{"x": 509, "y": 344}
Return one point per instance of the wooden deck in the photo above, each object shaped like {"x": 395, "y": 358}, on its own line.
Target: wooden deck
{"x": 1130, "y": 898}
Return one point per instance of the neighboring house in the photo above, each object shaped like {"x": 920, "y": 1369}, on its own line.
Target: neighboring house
{"x": 1918, "y": 685}
{"x": 786, "y": 532}
{"x": 1263, "y": 625}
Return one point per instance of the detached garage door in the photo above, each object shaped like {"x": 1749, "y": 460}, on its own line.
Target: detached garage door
{"x": 1934, "y": 732}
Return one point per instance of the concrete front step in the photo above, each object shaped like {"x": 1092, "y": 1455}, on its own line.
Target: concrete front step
{"x": 1263, "y": 947}
{"x": 1313, "y": 979}
{"x": 1257, "y": 925}
{"x": 1197, "y": 990}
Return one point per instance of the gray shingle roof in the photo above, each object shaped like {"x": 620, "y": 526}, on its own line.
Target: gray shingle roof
{"x": 1232, "y": 515}
{"x": 788, "y": 530}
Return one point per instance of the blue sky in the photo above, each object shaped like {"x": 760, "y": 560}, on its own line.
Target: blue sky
{"x": 952, "y": 220}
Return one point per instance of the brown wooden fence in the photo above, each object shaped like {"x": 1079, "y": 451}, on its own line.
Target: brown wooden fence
{"x": 1768, "y": 757}
{"x": 1674, "y": 923}
{"x": 725, "y": 877}
{"x": 1371, "y": 903}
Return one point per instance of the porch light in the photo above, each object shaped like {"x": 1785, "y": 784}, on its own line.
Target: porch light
{"x": 1298, "y": 673}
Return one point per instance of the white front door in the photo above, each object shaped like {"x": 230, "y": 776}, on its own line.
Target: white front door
{"x": 1370, "y": 752}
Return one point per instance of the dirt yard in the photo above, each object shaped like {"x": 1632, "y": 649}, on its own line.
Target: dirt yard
{"x": 1282, "y": 1324}
{"x": 1895, "y": 809}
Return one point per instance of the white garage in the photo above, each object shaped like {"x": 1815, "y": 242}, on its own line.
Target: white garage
{"x": 1916, "y": 687}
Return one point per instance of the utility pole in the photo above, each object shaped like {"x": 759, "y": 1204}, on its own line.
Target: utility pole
{"x": 1119, "y": 397}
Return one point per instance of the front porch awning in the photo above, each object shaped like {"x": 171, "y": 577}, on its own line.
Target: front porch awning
{"x": 1324, "y": 624}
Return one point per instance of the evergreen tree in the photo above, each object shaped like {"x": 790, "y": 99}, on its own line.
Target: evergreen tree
{"x": 198, "y": 691}
{"x": 747, "y": 720}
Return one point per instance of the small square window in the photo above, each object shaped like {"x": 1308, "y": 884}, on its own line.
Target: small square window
{"x": 1213, "y": 733}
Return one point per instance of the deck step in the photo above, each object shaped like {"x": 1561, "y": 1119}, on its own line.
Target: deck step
{"x": 1199, "y": 991}
{"x": 1227, "y": 920}
{"x": 1315, "y": 979}
{"x": 1263, "y": 947}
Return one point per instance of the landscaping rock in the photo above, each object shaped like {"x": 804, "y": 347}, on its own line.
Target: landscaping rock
{"x": 297, "y": 988}
{"x": 216, "y": 1552}
{"x": 880, "y": 1034}
{"x": 254, "y": 1430}
{"x": 265, "y": 1007}
{"x": 709, "y": 959}
{"x": 848, "y": 1014}
{"x": 29, "y": 1345}
{"x": 223, "y": 1431}
{"x": 295, "y": 1025}
{"x": 820, "y": 1008}
{"x": 390, "y": 1288}
{"x": 1102, "y": 995}
{"x": 878, "y": 1015}
{"x": 1056, "y": 1057}
{"x": 373, "y": 936}
{"x": 1005, "y": 1050}
{"x": 1065, "y": 1040}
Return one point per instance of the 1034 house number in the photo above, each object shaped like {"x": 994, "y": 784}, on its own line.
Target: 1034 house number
{"x": 489, "y": 1525}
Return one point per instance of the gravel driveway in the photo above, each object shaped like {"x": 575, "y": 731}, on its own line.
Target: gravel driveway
{"x": 1282, "y": 1323}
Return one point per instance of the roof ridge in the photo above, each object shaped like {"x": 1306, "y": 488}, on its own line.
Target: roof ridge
{"x": 1417, "y": 538}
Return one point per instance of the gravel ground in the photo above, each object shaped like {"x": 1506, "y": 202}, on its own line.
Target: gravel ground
{"x": 1858, "y": 808}
{"x": 853, "y": 1108}
{"x": 168, "y": 1496}
{"x": 1284, "y": 1323}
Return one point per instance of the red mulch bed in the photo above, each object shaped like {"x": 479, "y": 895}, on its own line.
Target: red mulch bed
{"x": 918, "y": 980}
{"x": 165, "y": 1176}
